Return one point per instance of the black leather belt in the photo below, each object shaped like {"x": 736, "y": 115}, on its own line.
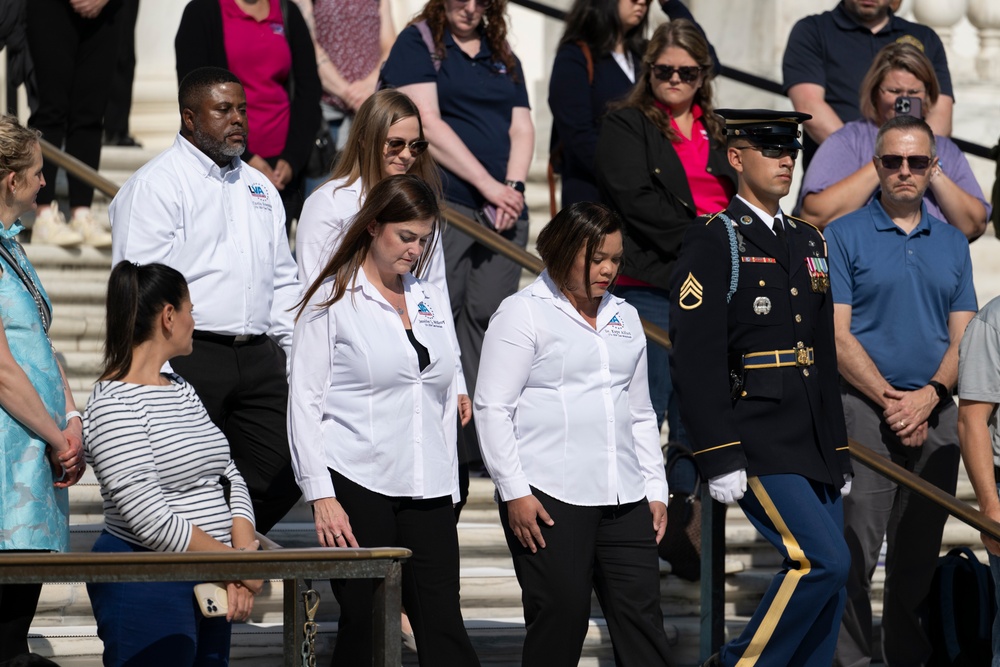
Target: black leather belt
{"x": 229, "y": 341}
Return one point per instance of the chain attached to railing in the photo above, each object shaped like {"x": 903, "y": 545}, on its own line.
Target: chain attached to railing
{"x": 310, "y": 600}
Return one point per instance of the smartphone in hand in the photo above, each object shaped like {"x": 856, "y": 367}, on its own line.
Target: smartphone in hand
{"x": 909, "y": 106}
{"x": 487, "y": 216}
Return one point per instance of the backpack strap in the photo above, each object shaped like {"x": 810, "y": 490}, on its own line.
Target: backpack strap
{"x": 550, "y": 171}
{"x": 425, "y": 34}
{"x": 587, "y": 56}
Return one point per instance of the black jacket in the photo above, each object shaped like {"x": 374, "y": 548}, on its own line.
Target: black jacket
{"x": 199, "y": 43}
{"x": 785, "y": 420}
{"x": 640, "y": 176}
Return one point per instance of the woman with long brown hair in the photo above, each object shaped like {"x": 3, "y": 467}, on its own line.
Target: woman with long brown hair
{"x": 661, "y": 162}
{"x": 373, "y": 396}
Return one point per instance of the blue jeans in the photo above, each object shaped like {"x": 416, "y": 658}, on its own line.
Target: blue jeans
{"x": 156, "y": 624}
{"x": 653, "y": 305}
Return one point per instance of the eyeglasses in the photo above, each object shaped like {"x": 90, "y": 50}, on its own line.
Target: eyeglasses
{"x": 897, "y": 92}
{"x": 480, "y": 4}
{"x": 687, "y": 74}
{"x": 915, "y": 162}
{"x": 394, "y": 147}
{"x": 773, "y": 152}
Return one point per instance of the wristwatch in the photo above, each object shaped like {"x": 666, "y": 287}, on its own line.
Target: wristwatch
{"x": 517, "y": 185}
{"x": 943, "y": 392}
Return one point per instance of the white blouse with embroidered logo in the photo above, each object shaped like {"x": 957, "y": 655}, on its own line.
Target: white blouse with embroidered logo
{"x": 564, "y": 407}
{"x": 358, "y": 401}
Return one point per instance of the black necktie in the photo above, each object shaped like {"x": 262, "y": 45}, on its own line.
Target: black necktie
{"x": 779, "y": 230}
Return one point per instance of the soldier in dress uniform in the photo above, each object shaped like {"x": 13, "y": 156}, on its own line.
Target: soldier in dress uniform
{"x": 755, "y": 367}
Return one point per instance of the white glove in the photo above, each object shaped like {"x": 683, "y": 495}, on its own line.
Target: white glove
{"x": 845, "y": 490}
{"x": 728, "y": 488}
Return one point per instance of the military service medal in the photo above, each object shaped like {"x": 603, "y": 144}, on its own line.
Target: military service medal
{"x": 819, "y": 274}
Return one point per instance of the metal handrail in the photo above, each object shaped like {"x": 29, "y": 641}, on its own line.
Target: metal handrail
{"x": 747, "y": 78}
{"x": 383, "y": 564}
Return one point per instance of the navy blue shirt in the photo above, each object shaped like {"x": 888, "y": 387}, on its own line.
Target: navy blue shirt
{"x": 476, "y": 97}
{"x": 901, "y": 288}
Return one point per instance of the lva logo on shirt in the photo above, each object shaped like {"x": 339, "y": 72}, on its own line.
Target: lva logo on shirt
{"x": 424, "y": 309}
{"x": 616, "y": 328}
{"x": 258, "y": 195}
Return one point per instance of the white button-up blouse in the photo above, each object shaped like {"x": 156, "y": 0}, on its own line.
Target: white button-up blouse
{"x": 358, "y": 401}
{"x": 564, "y": 407}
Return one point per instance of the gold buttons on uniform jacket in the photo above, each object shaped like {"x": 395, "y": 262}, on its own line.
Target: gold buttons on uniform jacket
{"x": 805, "y": 371}
{"x": 795, "y": 291}
{"x": 743, "y": 393}
{"x": 656, "y": 171}
{"x": 762, "y": 283}
{"x": 798, "y": 318}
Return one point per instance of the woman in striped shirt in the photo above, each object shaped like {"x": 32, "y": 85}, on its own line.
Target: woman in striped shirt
{"x": 164, "y": 470}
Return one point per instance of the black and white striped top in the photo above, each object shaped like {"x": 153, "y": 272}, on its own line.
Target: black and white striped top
{"x": 159, "y": 459}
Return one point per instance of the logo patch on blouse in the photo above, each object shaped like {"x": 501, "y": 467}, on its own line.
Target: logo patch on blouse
{"x": 426, "y": 316}
{"x": 616, "y": 328}
{"x": 691, "y": 293}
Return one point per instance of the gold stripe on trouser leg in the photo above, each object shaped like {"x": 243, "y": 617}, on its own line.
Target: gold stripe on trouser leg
{"x": 788, "y": 586}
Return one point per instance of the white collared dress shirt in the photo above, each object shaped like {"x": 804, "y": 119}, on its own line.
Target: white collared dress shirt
{"x": 223, "y": 228}
{"x": 564, "y": 407}
{"x": 326, "y": 214}
{"x": 358, "y": 402}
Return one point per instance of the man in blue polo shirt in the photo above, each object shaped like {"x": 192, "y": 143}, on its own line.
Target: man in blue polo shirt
{"x": 903, "y": 295}
{"x": 828, "y": 55}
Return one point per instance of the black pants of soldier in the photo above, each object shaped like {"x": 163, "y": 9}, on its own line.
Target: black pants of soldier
{"x": 609, "y": 550}
{"x": 430, "y": 577}
{"x": 912, "y": 526}
{"x": 245, "y": 392}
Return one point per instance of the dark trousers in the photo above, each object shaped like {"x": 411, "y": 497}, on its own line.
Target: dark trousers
{"x": 245, "y": 392}
{"x": 478, "y": 280}
{"x": 120, "y": 96}
{"x": 610, "y": 550}
{"x": 795, "y": 624}
{"x": 912, "y": 526}
{"x": 430, "y": 577}
{"x": 17, "y": 609}
{"x": 154, "y": 623}
{"x": 73, "y": 59}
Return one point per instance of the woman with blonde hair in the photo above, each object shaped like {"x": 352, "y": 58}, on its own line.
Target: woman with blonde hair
{"x": 841, "y": 177}
{"x": 372, "y": 411}
{"x": 386, "y": 138}
{"x": 41, "y": 443}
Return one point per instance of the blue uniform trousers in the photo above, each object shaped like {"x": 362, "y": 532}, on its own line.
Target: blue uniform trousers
{"x": 797, "y": 621}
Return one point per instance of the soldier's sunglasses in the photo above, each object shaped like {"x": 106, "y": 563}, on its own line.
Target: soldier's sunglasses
{"x": 773, "y": 152}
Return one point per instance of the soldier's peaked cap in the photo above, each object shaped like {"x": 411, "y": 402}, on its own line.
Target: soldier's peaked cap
{"x": 764, "y": 127}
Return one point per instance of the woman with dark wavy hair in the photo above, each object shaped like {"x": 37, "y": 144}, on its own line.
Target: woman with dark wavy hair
{"x": 661, "y": 162}
{"x": 455, "y": 63}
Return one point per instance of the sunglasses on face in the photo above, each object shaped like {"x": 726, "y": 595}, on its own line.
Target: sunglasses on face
{"x": 687, "y": 74}
{"x": 915, "y": 162}
{"x": 394, "y": 147}
{"x": 772, "y": 152}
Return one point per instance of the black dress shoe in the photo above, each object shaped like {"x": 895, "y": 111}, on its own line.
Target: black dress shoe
{"x": 713, "y": 661}
{"x": 124, "y": 140}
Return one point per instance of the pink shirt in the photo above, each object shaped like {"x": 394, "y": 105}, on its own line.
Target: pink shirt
{"x": 258, "y": 53}
{"x": 710, "y": 193}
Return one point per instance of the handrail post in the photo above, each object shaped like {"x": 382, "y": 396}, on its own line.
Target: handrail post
{"x": 386, "y": 610}
{"x": 293, "y": 620}
{"x": 712, "y": 583}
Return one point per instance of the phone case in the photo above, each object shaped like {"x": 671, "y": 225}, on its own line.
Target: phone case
{"x": 213, "y": 599}
{"x": 487, "y": 216}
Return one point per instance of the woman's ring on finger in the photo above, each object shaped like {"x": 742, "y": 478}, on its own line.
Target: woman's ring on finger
{"x": 337, "y": 536}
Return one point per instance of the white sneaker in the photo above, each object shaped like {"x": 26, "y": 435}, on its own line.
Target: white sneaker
{"x": 50, "y": 228}
{"x": 87, "y": 225}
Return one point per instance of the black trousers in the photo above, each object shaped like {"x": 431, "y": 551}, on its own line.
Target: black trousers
{"x": 430, "y": 577}
{"x": 610, "y": 550}
{"x": 17, "y": 609}
{"x": 244, "y": 389}
{"x": 74, "y": 58}
{"x": 120, "y": 96}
